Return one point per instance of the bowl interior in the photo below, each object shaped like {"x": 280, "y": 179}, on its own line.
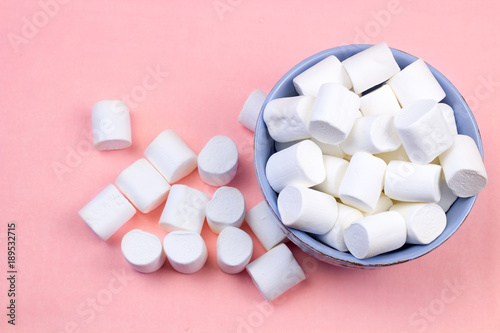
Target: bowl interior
{"x": 264, "y": 147}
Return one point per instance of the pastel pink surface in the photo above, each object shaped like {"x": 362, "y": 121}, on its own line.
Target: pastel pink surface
{"x": 208, "y": 56}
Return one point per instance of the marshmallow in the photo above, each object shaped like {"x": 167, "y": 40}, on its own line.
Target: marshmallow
{"x": 143, "y": 251}
{"x": 306, "y": 209}
{"x": 186, "y": 251}
{"x": 398, "y": 154}
{"x": 287, "y": 118}
{"x": 333, "y": 114}
{"x": 275, "y": 272}
{"x": 111, "y": 125}
{"x": 328, "y": 70}
{"x": 171, "y": 156}
{"x": 249, "y": 114}
{"x": 300, "y": 164}
{"x": 370, "y": 67}
{"x": 423, "y": 130}
{"x": 265, "y": 225}
{"x": 384, "y": 203}
{"x": 335, "y": 237}
{"x": 363, "y": 181}
{"x": 406, "y": 181}
{"x": 463, "y": 167}
{"x": 107, "y": 212}
{"x": 326, "y": 149}
{"x": 335, "y": 170}
{"x": 375, "y": 234}
{"x": 447, "y": 195}
{"x": 372, "y": 134}
{"x": 424, "y": 221}
{"x": 184, "y": 210}
{"x": 416, "y": 82}
{"x": 218, "y": 161}
{"x": 234, "y": 250}
{"x": 226, "y": 209}
{"x": 143, "y": 185}
{"x": 449, "y": 117}
{"x": 379, "y": 101}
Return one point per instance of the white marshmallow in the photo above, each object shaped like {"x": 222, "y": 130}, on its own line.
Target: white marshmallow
{"x": 326, "y": 149}
{"x": 398, "y": 154}
{"x": 384, "y": 203}
{"x": 143, "y": 251}
{"x": 335, "y": 237}
{"x": 307, "y": 209}
{"x": 218, "y": 161}
{"x": 226, "y": 209}
{"x": 379, "y": 101}
{"x": 447, "y": 195}
{"x": 463, "y": 167}
{"x": 249, "y": 114}
{"x": 333, "y": 113}
{"x": 406, "y": 181}
{"x": 186, "y": 251}
{"x": 449, "y": 117}
{"x": 275, "y": 272}
{"x": 265, "y": 225}
{"x": 107, "y": 212}
{"x": 372, "y": 134}
{"x": 375, "y": 234}
{"x": 171, "y": 156}
{"x": 335, "y": 170}
{"x": 234, "y": 250}
{"x": 423, "y": 130}
{"x": 363, "y": 181}
{"x": 143, "y": 185}
{"x": 416, "y": 82}
{"x": 111, "y": 125}
{"x": 370, "y": 67}
{"x": 328, "y": 70}
{"x": 184, "y": 210}
{"x": 300, "y": 164}
{"x": 287, "y": 118}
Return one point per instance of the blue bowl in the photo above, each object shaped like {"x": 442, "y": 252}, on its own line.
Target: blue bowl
{"x": 264, "y": 148}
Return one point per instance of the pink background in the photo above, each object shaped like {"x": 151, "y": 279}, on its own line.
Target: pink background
{"x": 53, "y": 72}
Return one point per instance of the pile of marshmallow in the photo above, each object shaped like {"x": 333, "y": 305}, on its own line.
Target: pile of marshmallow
{"x": 368, "y": 159}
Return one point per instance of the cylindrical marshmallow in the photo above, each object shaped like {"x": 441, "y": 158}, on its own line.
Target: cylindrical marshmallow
{"x": 379, "y": 101}
{"x": 287, "y": 118}
{"x": 406, "y": 181}
{"x": 107, "y": 212}
{"x": 171, "y": 156}
{"x": 398, "y": 154}
{"x": 447, "y": 195}
{"x": 218, "y": 161}
{"x": 143, "y": 185}
{"x": 143, "y": 251}
{"x": 234, "y": 250}
{"x": 335, "y": 237}
{"x": 307, "y": 209}
{"x": 333, "y": 113}
{"x": 449, "y": 117}
{"x": 111, "y": 125}
{"x": 186, "y": 251}
{"x": 384, "y": 203}
{"x": 423, "y": 130}
{"x": 375, "y": 234}
{"x": 370, "y": 67}
{"x": 335, "y": 170}
{"x": 363, "y": 181}
{"x": 328, "y": 70}
{"x": 249, "y": 114}
{"x": 226, "y": 209}
{"x": 326, "y": 149}
{"x": 463, "y": 167}
{"x": 424, "y": 221}
{"x": 265, "y": 225}
{"x": 372, "y": 134}
{"x": 275, "y": 272}
{"x": 184, "y": 210}
{"x": 416, "y": 82}
{"x": 300, "y": 164}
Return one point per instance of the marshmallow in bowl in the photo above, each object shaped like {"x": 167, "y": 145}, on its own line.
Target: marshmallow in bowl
{"x": 218, "y": 161}
{"x": 111, "y": 125}
{"x": 384, "y": 203}
{"x": 249, "y": 114}
{"x": 265, "y": 225}
{"x": 186, "y": 251}
{"x": 398, "y": 154}
{"x": 449, "y": 117}
{"x": 380, "y": 101}
{"x": 143, "y": 251}
{"x": 226, "y": 209}
{"x": 327, "y": 149}
{"x": 447, "y": 195}
{"x": 335, "y": 237}
{"x": 335, "y": 170}
{"x": 234, "y": 250}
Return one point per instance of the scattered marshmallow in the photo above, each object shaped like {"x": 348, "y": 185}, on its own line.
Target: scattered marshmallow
{"x": 463, "y": 167}
{"x": 218, "y": 161}
{"x": 335, "y": 170}
{"x": 249, "y": 114}
{"x": 186, "y": 251}
{"x": 447, "y": 195}
{"x": 184, "y": 210}
{"x": 143, "y": 251}
{"x": 111, "y": 125}
{"x": 226, "y": 209}
{"x": 265, "y": 225}
{"x": 143, "y": 185}
{"x": 398, "y": 154}
{"x": 384, "y": 203}
{"x": 107, "y": 212}
{"x": 379, "y": 101}
{"x": 275, "y": 272}
{"x": 335, "y": 237}
{"x": 234, "y": 250}
{"x": 449, "y": 117}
